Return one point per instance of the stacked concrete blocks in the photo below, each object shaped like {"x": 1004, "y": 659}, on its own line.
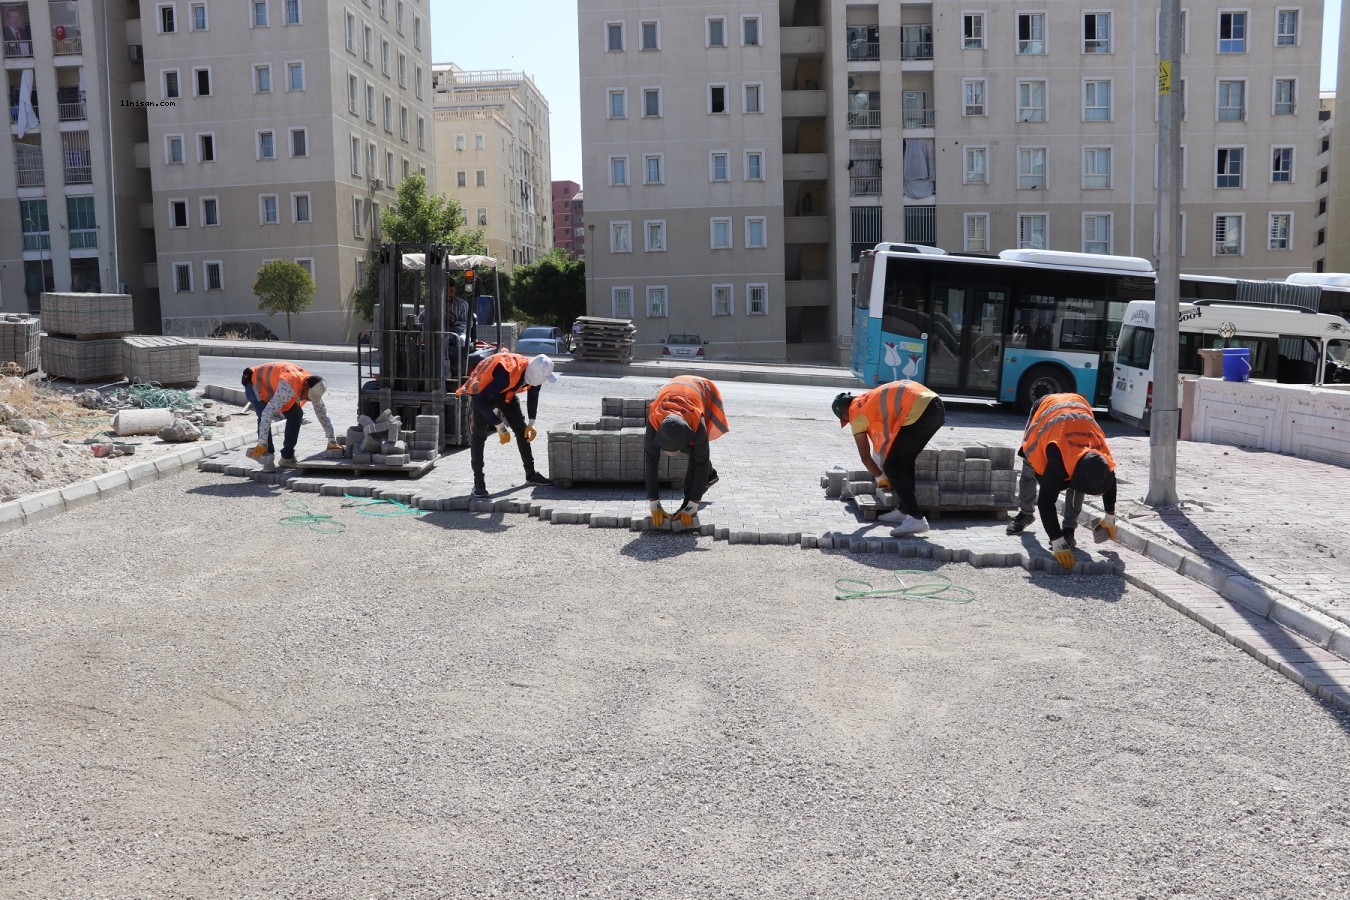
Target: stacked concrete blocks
{"x": 167, "y": 361}
{"x": 378, "y": 442}
{"x": 19, "y": 341}
{"x": 971, "y": 477}
{"x": 426, "y": 438}
{"x": 84, "y": 331}
{"x": 611, "y": 449}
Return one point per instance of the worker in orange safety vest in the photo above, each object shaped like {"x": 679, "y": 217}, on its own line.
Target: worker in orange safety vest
{"x": 281, "y": 389}
{"x": 492, "y": 387}
{"x": 684, "y": 417}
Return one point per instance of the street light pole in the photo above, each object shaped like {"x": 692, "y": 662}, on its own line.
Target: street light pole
{"x": 42, "y": 260}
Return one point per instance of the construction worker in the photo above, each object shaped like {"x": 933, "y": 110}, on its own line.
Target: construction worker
{"x": 890, "y": 425}
{"x": 492, "y": 386}
{"x": 685, "y": 416}
{"x": 1064, "y": 449}
{"x": 281, "y": 389}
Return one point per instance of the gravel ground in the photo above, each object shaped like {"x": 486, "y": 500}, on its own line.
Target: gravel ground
{"x": 475, "y": 705}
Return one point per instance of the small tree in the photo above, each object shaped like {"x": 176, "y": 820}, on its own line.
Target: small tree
{"x": 551, "y": 291}
{"x": 283, "y": 286}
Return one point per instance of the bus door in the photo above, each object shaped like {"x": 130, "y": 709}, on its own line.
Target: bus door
{"x": 965, "y": 344}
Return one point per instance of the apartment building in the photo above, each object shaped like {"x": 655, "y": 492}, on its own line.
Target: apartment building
{"x": 569, "y": 218}
{"x": 1338, "y": 147}
{"x": 492, "y": 155}
{"x": 974, "y": 128}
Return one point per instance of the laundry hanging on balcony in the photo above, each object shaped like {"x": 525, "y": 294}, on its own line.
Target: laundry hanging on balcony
{"x": 28, "y": 118}
{"x": 918, "y": 168}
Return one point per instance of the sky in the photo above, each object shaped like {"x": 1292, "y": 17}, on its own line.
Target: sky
{"x": 539, "y": 38}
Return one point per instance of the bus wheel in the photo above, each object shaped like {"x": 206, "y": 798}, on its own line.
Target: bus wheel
{"x": 1040, "y": 381}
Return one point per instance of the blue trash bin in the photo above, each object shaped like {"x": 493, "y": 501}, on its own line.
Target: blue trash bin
{"x": 1237, "y": 363}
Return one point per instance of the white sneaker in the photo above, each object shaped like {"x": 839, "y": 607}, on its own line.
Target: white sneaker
{"x": 894, "y": 515}
{"x": 910, "y": 526}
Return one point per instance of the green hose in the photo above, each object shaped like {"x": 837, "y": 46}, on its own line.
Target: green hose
{"x": 324, "y": 524}
{"x": 383, "y": 509}
{"x": 941, "y": 589}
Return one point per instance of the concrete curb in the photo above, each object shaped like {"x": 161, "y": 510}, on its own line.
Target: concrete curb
{"x": 271, "y": 350}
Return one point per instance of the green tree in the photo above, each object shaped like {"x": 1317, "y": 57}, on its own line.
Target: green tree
{"x": 283, "y": 286}
{"x": 551, "y": 291}
{"x": 417, "y": 219}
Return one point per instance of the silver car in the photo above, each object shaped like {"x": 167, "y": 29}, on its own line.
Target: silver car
{"x": 683, "y": 346}
{"x": 542, "y": 339}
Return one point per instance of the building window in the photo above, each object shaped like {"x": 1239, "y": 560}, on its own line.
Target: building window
{"x": 182, "y": 278}
{"x": 976, "y": 166}
{"x": 621, "y": 300}
{"x": 750, "y": 31}
{"x": 295, "y": 76}
{"x": 461, "y": 179}
{"x": 756, "y": 299}
{"x": 178, "y": 214}
{"x": 353, "y": 95}
{"x": 620, "y": 237}
{"x": 358, "y": 217}
{"x": 1232, "y": 96}
{"x": 459, "y": 143}
{"x": 1232, "y": 32}
{"x": 1281, "y": 225}
{"x": 1031, "y": 33}
{"x": 657, "y": 307}
{"x": 173, "y": 149}
{"x": 973, "y": 90}
{"x": 719, "y": 228}
{"x": 417, "y": 32}
{"x": 1033, "y": 231}
{"x": 717, "y": 167}
{"x": 618, "y": 171}
{"x": 213, "y": 278}
{"x": 198, "y": 17}
{"x": 267, "y": 209}
{"x": 654, "y": 236}
{"x": 210, "y": 211}
{"x": 480, "y": 141}
{"x": 168, "y": 20}
{"x": 723, "y": 300}
{"x": 368, "y": 45}
{"x": 1030, "y": 168}
{"x": 172, "y": 90}
{"x": 299, "y": 142}
{"x": 417, "y": 81}
{"x": 388, "y": 114}
{"x": 651, "y": 103}
{"x": 651, "y": 35}
{"x": 350, "y": 33}
{"x": 356, "y": 156}
{"x": 1286, "y": 30}
{"x": 613, "y": 37}
{"x": 1097, "y": 32}
{"x": 1185, "y": 35}
{"x": 717, "y": 99}
{"x": 1096, "y": 101}
{"x": 1228, "y": 167}
{"x": 972, "y": 31}
{"x": 1282, "y": 164}
{"x": 976, "y": 232}
{"x": 262, "y": 79}
{"x": 1031, "y": 101}
{"x": 754, "y": 165}
{"x": 618, "y": 104}
{"x": 402, "y": 69}
{"x": 1096, "y": 232}
{"x": 384, "y": 57}
{"x": 206, "y": 148}
{"x": 756, "y": 231}
{"x": 306, "y": 263}
{"x": 300, "y": 211}
{"x": 403, "y": 122}
{"x": 716, "y": 31}
{"x": 1286, "y": 96}
{"x": 293, "y": 12}
{"x": 1228, "y": 235}
{"x": 259, "y": 13}
{"x": 1096, "y": 168}
{"x": 201, "y": 82}
{"x": 482, "y": 216}
{"x": 421, "y": 133}
{"x": 754, "y": 98}
{"x": 651, "y": 169}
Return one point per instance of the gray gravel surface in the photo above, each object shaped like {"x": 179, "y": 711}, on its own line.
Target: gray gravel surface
{"x": 202, "y": 702}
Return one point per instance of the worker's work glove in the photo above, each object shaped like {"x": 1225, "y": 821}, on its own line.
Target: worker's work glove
{"x": 687, "y": 512}
{"x": 334, "y": 445}
{"x": 883, "y": 483}
{"x": 1105, "y": 529}
{"x": 258, "y": 452}
{"x": 658, "y": 514}
{"x": 530, "y": 432}
{"x": 503, "y": 436}
{"x": 1062, "y": 552}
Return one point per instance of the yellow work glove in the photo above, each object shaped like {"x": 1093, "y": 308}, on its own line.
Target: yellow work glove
{"x": 334, "y": 445}
{"x": 658, "y": 514}
{"x": 1105, "y": 528}
{"x": 503, "y": 436}
{"x": 530, "y": 432}
{"x": 1062, "y": 552}
{"x": 258, "y": 452}
{"x": 883, "y": 483}
{"x": 687, "y": 513}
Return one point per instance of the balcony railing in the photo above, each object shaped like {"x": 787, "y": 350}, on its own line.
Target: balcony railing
{"x": 76, "y": 157}
{"x": 916, "y": 49}
{"x": 864, "y": 118}
{"x": 72, "y": 112}
{"x": 1231, "y": 114}
{"x": 37, "y": 240}
{"x": 864, "y": 186}
{"x": 69, "y": 47}
{"x": 921, "y": 225}
{"x": 864, "y": 51}
{"x": 919, "y": 118}
{"x": 84, "y": 239}
{"x": 18, "y": 49}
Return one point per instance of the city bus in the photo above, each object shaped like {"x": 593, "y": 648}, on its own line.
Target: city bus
{"x": 1009, "y": 328}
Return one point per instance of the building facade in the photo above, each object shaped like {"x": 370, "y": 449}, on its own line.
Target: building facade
{"x": 569, "y": 218}
{"x": 492, "y": 155}
{"x": 974, "y": 128}
{"x": 1338, "y": 142}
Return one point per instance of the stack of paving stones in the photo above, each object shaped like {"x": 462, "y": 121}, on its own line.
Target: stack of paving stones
{"x": 84, "y": 335}
{"x": 426, "y": 438}
{"x": 19, "y": 343}
{"x": 611, "y": 449}
{"x": 380, "y": 442}
{"x": 971, "y": 477}
{"x": 168, "y": 361}
{"x": 605, "y": 340}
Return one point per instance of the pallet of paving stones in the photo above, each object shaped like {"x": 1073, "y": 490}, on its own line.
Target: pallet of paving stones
{"x": 166, "y": 361}
{"x": 87, "y": 316}
{"x": 610, "y": 450}
{"x": 19, "y": 341}
{"x": 605, "y": 340}
{"x": 81, "y": 360}
{"x": 382, "y": 446}
{"x": 971, "y": 478}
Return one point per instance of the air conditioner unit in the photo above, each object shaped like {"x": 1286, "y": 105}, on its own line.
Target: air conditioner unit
{"x": 377, "y": 184}
{"x": 134, "y": 53}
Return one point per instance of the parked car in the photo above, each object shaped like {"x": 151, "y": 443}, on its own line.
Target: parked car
{"x": 542, "y": 339}
{"x": 253, "y": 331}
{"x": 683, "y": 346}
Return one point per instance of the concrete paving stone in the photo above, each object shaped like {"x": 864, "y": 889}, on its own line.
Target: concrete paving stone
{"x": 211, "y": 465}
{"x": 331, "y": 490}
{"x": 11, "y": 516}
{"x": 302, "y": 486}
{"x": 79, "y": 494}
{"x": 235, "y": 470}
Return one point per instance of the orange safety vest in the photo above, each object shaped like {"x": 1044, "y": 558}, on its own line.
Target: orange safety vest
{"x": 267, "y": 377}
{"x": 695, "y": 400}
{"x": 886, "y": 408}
{"x": 481, "y": 376}
{"x": 1066, "y": 421}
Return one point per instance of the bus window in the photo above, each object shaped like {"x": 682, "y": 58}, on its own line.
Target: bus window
{"x": 862, "y": 288}
{"x": 1135, "y": 347}
{"x": 1297, "y": 360}
{"x": 902, "y": 309}
{"x": 1263, "y": 358}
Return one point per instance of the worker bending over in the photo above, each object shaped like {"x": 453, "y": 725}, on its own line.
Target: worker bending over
{"x": 684, "y": 417}
{"x": 281, "y": 389}
{"x": 1064, "y": 449}
{"x": 492, "y": 387}
{"x": 890, "y": 425}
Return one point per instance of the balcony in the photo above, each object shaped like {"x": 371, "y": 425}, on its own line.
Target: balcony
{"x": 864, "y": 118}
{"x": 18, "y": 49}
{"x": 919, "y": 118}
{"x": 864, "y": 186}
{"x": 76, "y": 158}
{"x": 806, "y": 166}
{"x": 806, "y": 230}
{"x": 916, "y": 42}
{"x": 802, "y": 41}
{"x": 864, "y": 44}
{"x": 71, "y": 46}
{"x": 28, "y": 165}
{"x": 921, "y": 225}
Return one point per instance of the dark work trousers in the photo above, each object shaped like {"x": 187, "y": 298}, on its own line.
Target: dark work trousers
{"x": 293, "y": 416}
{"x": 899, "y": 463}
{"x": 481, "y": 427}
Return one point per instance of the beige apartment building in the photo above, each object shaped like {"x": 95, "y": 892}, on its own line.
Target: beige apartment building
{"x": 492, "y": 155}
{"x": 737, "y": 160}
{"x": 1338, "y": 224}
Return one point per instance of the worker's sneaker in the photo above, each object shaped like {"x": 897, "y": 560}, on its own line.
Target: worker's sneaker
{"x": 712, "y": 477}
{"x": 287, "y": 462}
{"x": 1020, "y": 523}
{"x": 910, "y": 526}
{"x": 479, "y": 491}
{"x": 895, "y": 517}
{"x": 537, "y": 478}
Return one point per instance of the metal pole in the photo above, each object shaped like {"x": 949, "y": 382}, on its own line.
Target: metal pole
{"x": 1162, "y": 480}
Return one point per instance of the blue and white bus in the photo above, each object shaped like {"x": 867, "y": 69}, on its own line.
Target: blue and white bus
{"x": 1010, "y": 328}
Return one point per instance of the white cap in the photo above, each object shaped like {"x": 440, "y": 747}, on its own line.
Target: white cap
{"x": 540, "y": 371}
{"x": 316, "y": 391}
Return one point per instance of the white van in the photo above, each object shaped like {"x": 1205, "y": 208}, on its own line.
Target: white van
{"x": 1288, "y": 345}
